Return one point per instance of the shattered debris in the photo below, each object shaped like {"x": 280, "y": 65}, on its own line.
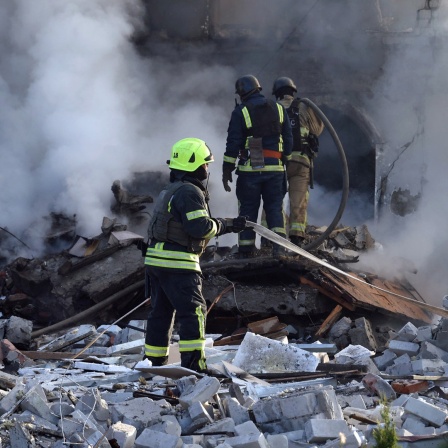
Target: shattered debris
{"x": 111, "y": 398}
{"x": 300, "y": 355}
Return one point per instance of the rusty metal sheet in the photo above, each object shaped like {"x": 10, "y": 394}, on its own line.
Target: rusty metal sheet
{"x": 364, "y": 296}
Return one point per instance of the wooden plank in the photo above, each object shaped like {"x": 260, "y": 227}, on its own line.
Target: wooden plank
{"x": 329, "y": 321}
{"x": 264, "y": 326}
{"x": 54, "y": 355}
{"x": 390, "y": 298}
{"x": 337, "y": 298}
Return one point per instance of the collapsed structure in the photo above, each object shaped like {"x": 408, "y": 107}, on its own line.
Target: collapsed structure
{"x": 88, "y": 387}
{"x": 314, "y": 371}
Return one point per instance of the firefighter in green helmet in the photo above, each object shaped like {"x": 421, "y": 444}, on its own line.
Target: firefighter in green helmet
{"x": 180, "y": 229}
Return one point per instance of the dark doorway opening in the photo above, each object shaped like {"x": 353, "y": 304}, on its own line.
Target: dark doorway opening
{"x": 360, "y": 154}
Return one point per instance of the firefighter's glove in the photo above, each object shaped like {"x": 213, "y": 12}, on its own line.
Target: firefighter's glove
{"x": 285, "y": 161}
{"x": 227, "y": 169}
{"x": 236, "y": 225}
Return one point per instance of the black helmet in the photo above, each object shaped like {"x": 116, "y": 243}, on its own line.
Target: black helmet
{"x": 283, "y": 82}
{"x": 247, "y": 84}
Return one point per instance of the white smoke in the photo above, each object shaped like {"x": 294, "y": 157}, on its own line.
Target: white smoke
{"x": 409, "y": 106}
{"x": 80, "y": 108}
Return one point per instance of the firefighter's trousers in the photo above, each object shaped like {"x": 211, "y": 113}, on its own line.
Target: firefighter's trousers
{"x": 177, "y": 296}
{"x": 250, "y": 189}
{"x": 298, "y": 182}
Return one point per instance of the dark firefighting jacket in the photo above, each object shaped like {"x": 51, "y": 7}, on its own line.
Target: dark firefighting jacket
{"x": 181, "y": 226}
{"x": 259, "y": 117}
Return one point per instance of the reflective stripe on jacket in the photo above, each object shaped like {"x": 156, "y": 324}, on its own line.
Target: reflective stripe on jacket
{"x": 187, "y": 213}
{"x": 240, "y": 126}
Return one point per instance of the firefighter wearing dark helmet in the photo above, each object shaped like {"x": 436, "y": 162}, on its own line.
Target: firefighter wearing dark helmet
{"x": 180, "y": 230}
{"x": 259, "y": 141}
{"x": 306, "y": 127}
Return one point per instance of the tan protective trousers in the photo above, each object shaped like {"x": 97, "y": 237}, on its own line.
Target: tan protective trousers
{"x": 298, "y": 172}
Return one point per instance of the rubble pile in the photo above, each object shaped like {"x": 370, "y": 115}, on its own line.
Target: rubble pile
{"x": 88, "y": 387}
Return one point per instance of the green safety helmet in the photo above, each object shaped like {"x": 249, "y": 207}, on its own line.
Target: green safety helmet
{"x": 189, "y": 154}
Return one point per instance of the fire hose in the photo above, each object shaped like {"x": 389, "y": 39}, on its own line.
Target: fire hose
{"x": 345, "y": 178}
{"x": 277, "y": 239}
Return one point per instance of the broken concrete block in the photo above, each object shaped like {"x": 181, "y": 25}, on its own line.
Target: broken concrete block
{"x": 11, "y": 399}
{"x": 77, "y": 423}
{"x": 188, "y": 426}
{"x": 116, "y": 397}
{"x": 290, "y": 413}
{"x": 236, "y": 411}
{"x": 20, "y": 437}
{"x": 356, "y": 401}
{"x": 199, "y": 414}
{"x": 91, "y": 437}
{"x": 376, "y": 385}
{"x": 341, "y": 327}
{"x": 128, "y": 347}
{"x": 423, "y": 333}
{"x": 98, "y": 367}
{"x": 434, "y": 367}
{"x": 362, "y": 334}
{"x": 36, "y": 402}
{"x": 29, "y": 417}
{"x": 426, "y": 411}
{"x": 318, "y": 430}
{"x": 413, "y": 424}
{"x": 18, "y": 331}
{"x": 203, "y": 390}
{"x": 407, "y": 333}
{"x": 131, "y": 334}
{"x": 251, "y": 440}
{"x": 430, "y": 351}
{"x": 403, "y": 347}
{"x": 385, "y": 360}
{"x": 352, "y": 354}
{"x": 167, "y": 425}
{"x": 138, "y": 412}
{"x": 91, "y": 403}
{"x": 225, "y": 425}
{"x": 246, "y": 428}
{"x": 62, "y": 409}
{"x": 186, "y": 383}
{"x": 193, "y": 440}
{"x": 277, "y": 440}
{"x": 260, "y": 354}
{"x": 441, "y": 340}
